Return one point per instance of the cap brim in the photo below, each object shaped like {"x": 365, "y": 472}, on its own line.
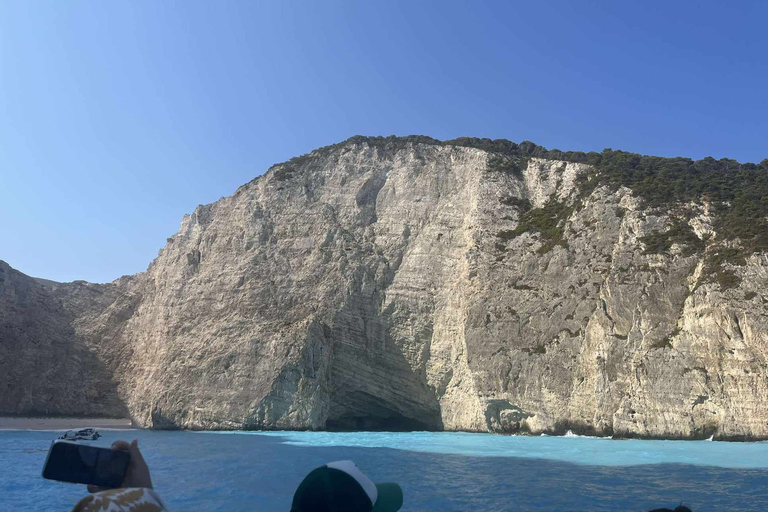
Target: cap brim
{"x": 390, "y": 498}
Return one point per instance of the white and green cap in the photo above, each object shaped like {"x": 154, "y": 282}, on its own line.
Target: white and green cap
{"x": 341, "y": 487}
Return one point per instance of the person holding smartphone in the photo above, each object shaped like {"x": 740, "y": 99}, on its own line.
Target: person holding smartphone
{"x": 135, "y": 490}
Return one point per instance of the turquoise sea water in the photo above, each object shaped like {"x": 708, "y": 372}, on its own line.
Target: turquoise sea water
{"x": 246, "y": 471}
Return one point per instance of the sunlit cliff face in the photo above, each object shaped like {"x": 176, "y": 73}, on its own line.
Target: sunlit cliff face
{"x": 405, "y": 284}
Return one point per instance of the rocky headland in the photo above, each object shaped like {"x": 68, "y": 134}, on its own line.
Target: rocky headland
{"x": 409, "y": 283}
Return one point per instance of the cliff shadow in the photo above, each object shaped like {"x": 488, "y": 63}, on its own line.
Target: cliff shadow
{"x": 373, "y": 385}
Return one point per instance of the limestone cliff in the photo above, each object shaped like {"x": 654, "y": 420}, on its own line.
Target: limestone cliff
{"x": 408, "y": 283}
{"x": 44, "y": 368}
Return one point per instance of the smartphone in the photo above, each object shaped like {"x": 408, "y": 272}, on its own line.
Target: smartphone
{"x": 78, "y": 463}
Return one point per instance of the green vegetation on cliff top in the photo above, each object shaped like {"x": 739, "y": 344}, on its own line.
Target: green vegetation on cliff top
{"x": 736, "y": 192}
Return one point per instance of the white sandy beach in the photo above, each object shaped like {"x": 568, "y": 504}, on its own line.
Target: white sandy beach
{"x": 18, "y": 423}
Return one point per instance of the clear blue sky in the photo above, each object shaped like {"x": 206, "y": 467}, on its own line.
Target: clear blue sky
{"x": 116, "y": 118}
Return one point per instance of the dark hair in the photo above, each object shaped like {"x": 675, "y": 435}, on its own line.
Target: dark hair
{"x": 681, "y": 508}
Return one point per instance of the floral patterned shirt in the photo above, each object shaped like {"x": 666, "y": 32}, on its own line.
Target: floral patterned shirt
{"x": 132, "y": 499}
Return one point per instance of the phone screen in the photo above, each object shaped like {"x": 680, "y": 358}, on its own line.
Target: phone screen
{"x": 84, "y": 464}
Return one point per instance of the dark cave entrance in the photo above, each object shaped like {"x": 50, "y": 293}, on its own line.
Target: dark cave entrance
{"x": 392, "y": 422}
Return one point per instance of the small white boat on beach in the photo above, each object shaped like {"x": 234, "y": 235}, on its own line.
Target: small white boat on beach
{"x": 85, "y": 434}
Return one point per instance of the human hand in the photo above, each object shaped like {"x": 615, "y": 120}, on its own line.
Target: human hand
{"x": 137, "y": 472}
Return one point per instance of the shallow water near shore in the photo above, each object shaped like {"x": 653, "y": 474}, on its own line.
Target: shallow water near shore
{"x": 243, "y": 471}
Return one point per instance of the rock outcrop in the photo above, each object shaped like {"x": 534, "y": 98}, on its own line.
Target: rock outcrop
{"x": 404, "y": 283}
{"x": 45, "y": 369}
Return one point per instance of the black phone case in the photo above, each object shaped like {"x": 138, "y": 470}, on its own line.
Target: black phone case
{"x": 102, "y": 457}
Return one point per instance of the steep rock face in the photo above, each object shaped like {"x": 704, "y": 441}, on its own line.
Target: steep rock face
{"x": 418, "y": 285}
{"x": 44, "y": 367}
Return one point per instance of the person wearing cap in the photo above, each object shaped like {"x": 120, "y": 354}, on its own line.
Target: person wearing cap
{"x": 341, "y": 487}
